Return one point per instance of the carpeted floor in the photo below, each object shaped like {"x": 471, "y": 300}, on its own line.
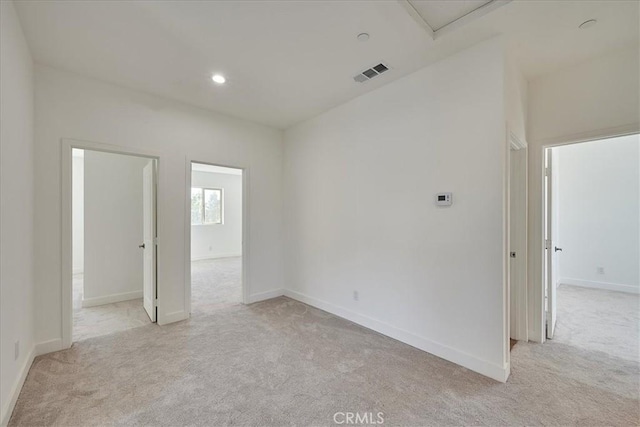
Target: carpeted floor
{"x": 281, "y": 362}
{"x": 599, "y": 321}
{"x": 216, "y": 284}
{"x": 104, "y": 319}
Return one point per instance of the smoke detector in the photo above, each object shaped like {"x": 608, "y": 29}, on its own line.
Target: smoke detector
{"x": 370, "y": 73}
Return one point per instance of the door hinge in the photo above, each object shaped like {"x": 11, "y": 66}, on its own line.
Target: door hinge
{"x": 155, "y": 241}
{"x": 547, "y": 330}
{"x": 546, "y": 171}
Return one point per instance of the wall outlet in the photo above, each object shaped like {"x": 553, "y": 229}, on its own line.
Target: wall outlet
{"x": 600, "y": 270}
{"x": 16, "y": 351}
{"x": 356, "y": 296}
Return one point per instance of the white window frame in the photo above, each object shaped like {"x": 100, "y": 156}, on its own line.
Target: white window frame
{"x": 202, "y": 207}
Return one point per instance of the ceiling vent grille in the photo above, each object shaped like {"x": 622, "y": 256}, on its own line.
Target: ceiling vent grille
{"x": 370, "y": 73}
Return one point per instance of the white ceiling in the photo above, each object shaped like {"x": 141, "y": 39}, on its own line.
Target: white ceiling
{"x": 202, "y": 167}
{"x": 439, "y": 13}
{"x": 287, "y": 61}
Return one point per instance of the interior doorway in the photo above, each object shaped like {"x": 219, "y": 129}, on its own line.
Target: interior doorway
{"x": 592, "y": 245}
{"x": 216, "y": 205}
{"x": 113, "y": 245}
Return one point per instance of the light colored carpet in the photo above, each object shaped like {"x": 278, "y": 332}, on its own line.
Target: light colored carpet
{"x": 598, "y": 320}
{"x": 104, "y": 319}
{"x": 281, "y": 362}
{"x": 215, "y": 284}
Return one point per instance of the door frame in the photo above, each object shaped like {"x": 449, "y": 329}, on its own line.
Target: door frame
{"x": 66, "y": 147}
{"x": 536, "y": 282}
{"x": 244, "y": 281}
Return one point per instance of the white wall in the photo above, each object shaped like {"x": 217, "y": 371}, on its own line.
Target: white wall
{"x": 599, "y": 210}
{"x": 516, "y": 94}
{"x": 16, "y": 208}
{"x": 598, "y": 94}
{"x": 219, "y": 240}
{"x": 360, "y": 182}
{"x": 77, "y": 210}
{"x": 72, "y": 106}
{"x": 112, "y": 227}
{"x": 594, "y": 99}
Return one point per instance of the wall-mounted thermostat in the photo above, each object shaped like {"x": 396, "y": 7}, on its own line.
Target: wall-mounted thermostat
{"x": 444, "y": 199}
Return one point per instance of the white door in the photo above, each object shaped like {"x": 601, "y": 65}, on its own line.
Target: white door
{"x": 149, "y": 234}
{"x": 518, "y": 244}
{"x": 551, "y": 227}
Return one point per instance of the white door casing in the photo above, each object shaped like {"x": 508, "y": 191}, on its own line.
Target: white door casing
{"x": 66, "y": 301}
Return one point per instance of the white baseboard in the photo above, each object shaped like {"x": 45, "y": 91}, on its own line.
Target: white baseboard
{"x": 262, "y": 296}
{"x": 109, "y": 299}
{"x": 499, "y": 373}
{"x": 48, "y": 347}
{"x": 215, "y": 256}
{"x": 172, "y": 317}
{"x": 17, "y": 387}
{"x": 630, "y": 289}
{"x": 37, "y": 350}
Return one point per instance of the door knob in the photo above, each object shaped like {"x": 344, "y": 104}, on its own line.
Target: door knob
{"x": 556, "y": 249}
{"x": 142, "y": 246}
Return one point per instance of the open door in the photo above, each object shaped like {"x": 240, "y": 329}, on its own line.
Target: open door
{"x": 551, "y": 248}
{"x": 518, "y": 244}
{"x": 149, "y": 239}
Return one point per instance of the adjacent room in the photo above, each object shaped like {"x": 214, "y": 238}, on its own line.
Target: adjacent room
{"x": 108, "y": 216}
{"x": 594, "y": 255}
{"x": 316, "y": 213}
{"x": 216, "y": 237}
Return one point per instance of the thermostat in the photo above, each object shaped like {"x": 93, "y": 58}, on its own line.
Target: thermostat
{"x": 444, "y": 199}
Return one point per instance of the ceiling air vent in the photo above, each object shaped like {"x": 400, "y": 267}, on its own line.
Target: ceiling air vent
{"x": 370, "y": 73}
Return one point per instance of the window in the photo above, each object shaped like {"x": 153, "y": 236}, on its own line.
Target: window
{"x": 206, "y": 206}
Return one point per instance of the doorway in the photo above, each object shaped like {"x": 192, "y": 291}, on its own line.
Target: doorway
{"x": 216, "y": 212}
{"x": 113, "y": 243}
{"x": 592, "y": 245}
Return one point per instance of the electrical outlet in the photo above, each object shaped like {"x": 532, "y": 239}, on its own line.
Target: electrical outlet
{"x": 600, "y": 270}
{"x": 356, "y": 296}
{"x": 16, "y": 350}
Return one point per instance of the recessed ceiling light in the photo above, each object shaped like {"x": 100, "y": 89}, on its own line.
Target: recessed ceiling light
{"x": 587, "y": 24}
{"x": 218, "y": 78}
{"x": 363, "y": 37}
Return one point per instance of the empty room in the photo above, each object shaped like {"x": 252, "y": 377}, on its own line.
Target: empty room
{"x": 216, "y": 209}
{"x": 109, "y": 251}
{"x": 267, "y": 213}
{"x": 594, "y": 238}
